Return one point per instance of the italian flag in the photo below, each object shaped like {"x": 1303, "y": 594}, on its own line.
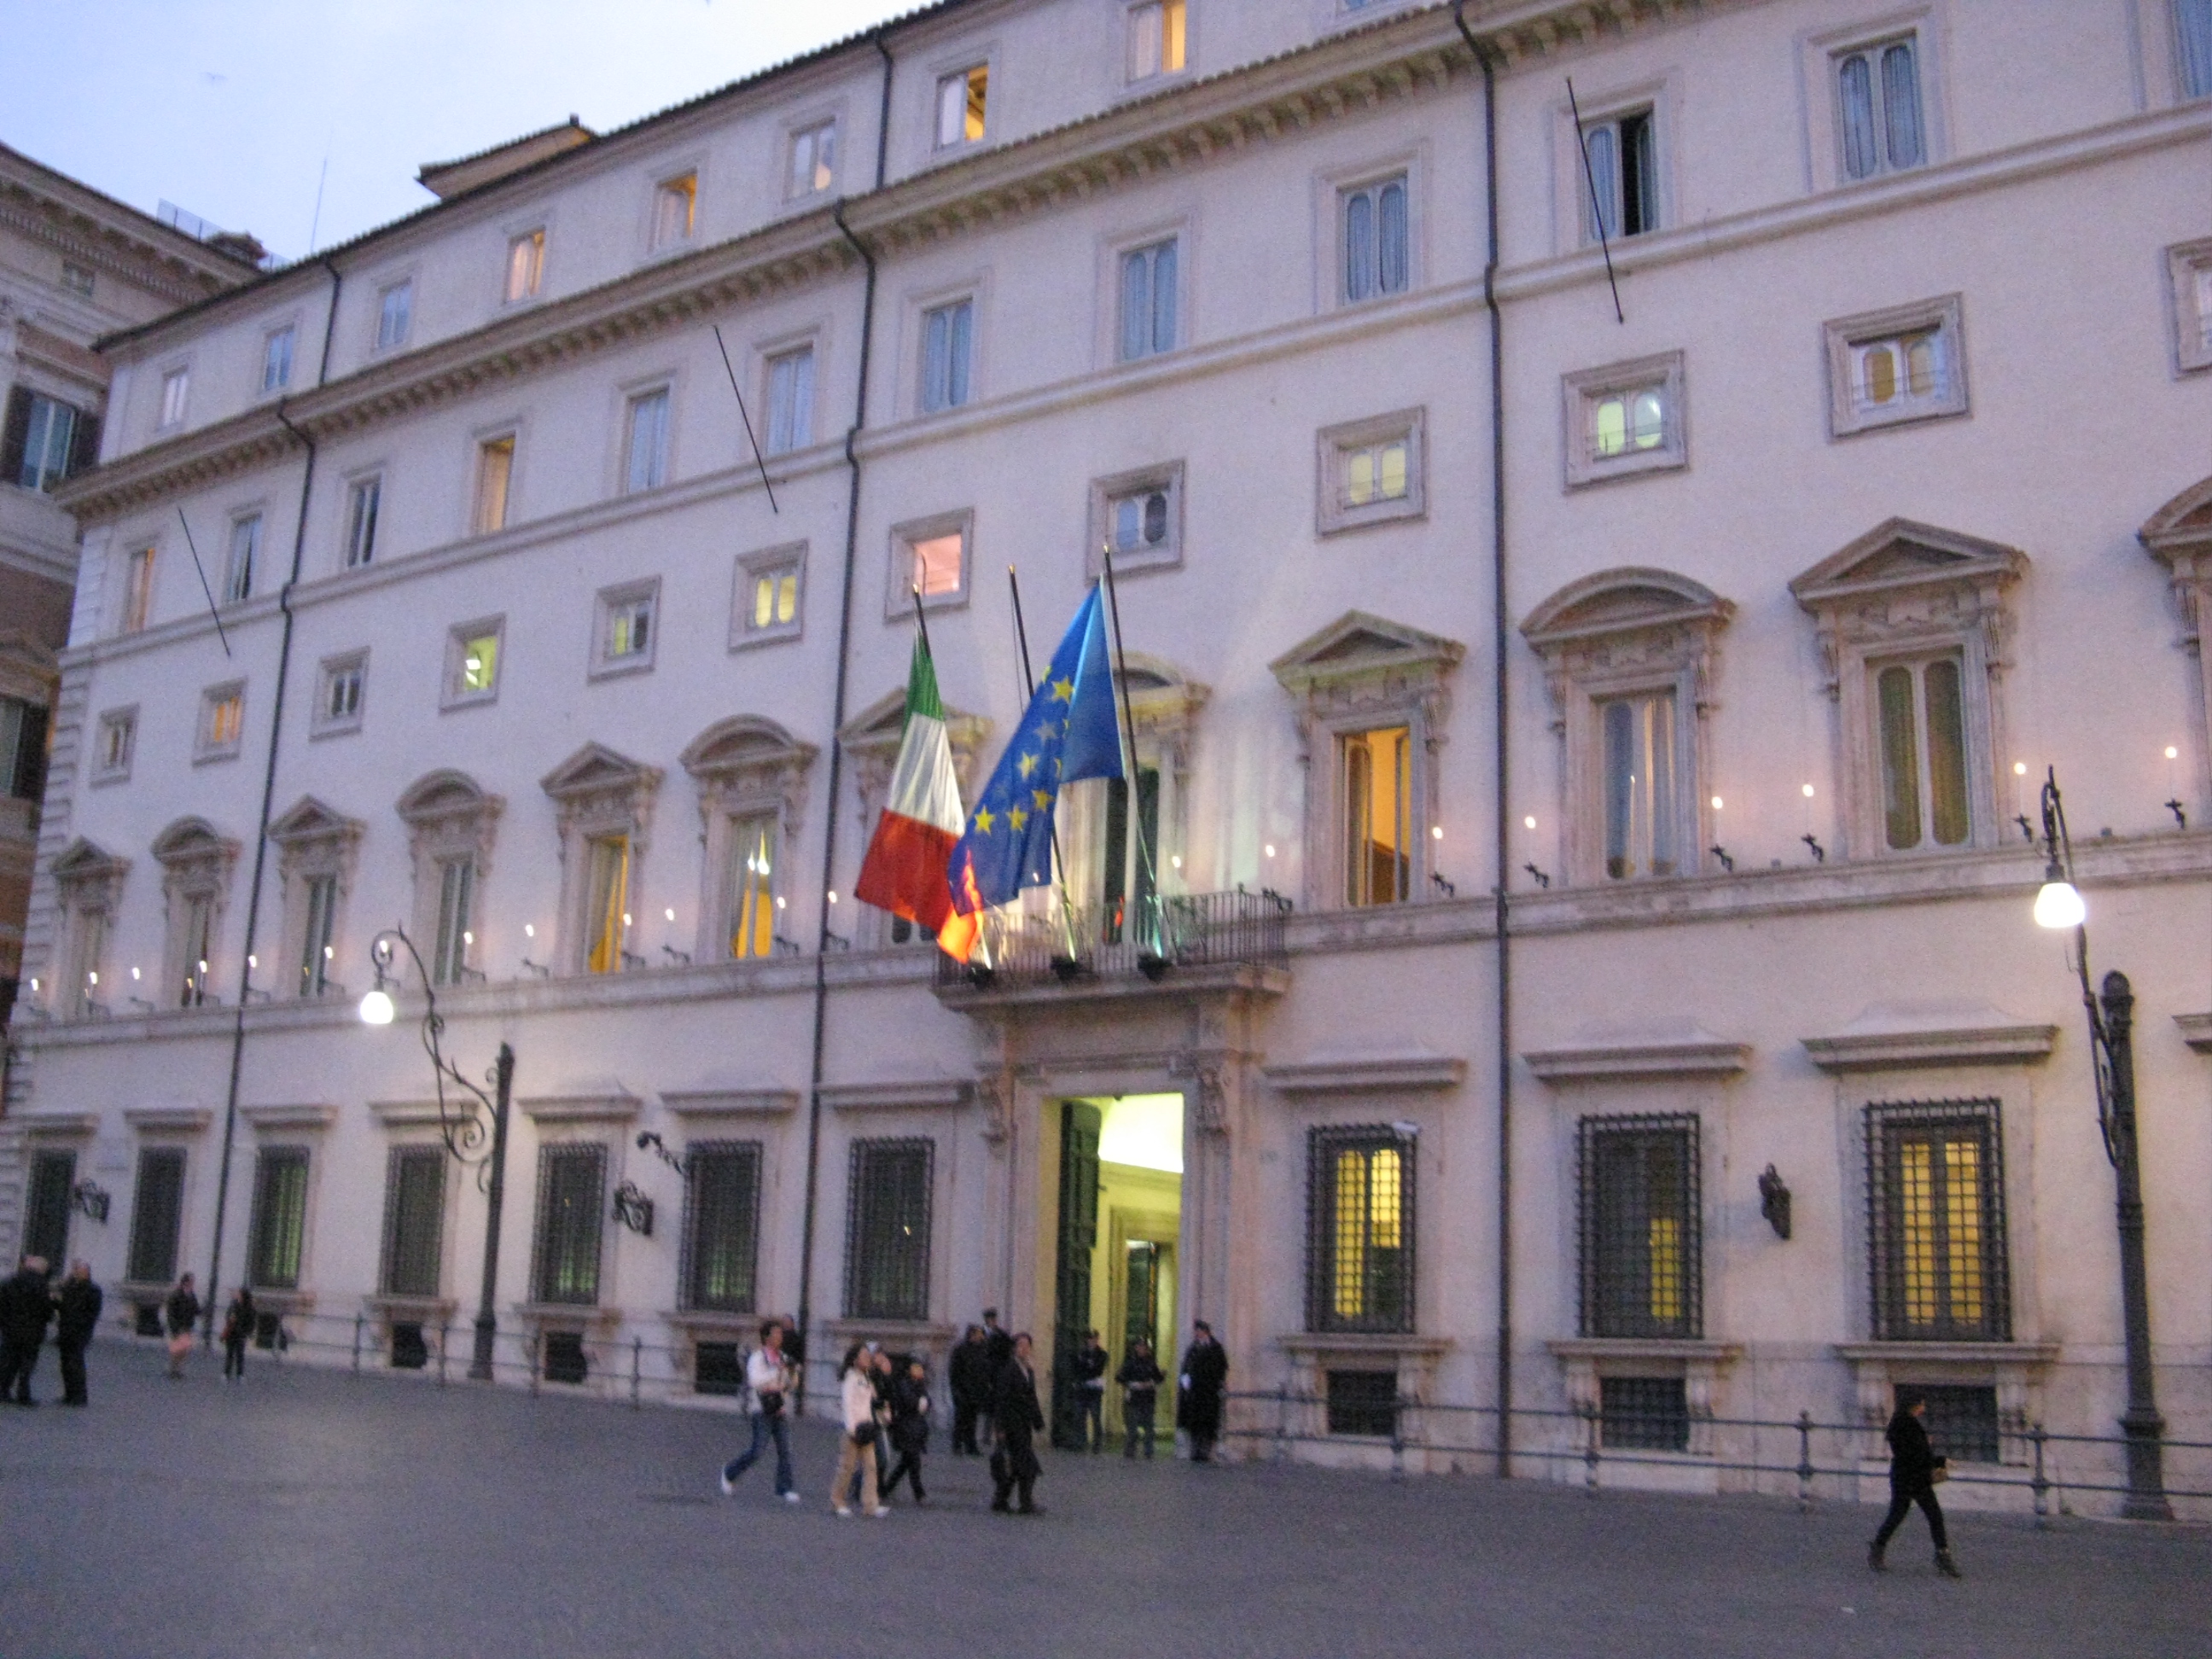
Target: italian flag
{"x": 904, "y": 872}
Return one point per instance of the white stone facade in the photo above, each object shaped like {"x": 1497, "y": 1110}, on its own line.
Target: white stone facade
{"x": 1925, "y": 446}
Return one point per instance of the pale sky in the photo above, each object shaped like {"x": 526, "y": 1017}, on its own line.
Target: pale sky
{"x": 229, "y": 107}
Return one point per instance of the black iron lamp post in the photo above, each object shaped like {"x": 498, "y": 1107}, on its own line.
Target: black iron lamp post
{"x": 2112, "y": 1019}
{"x": 462, "y": 1130}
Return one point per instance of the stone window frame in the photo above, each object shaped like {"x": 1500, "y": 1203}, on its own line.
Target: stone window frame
{"x": 596, "y": 792}
{"x": 314, "y": 842}
{"x": 2191, "y": 316}
{"x": 451, "y": 695}
{"x": 197, "y": 862}
{"x": 861, "y": 1154}
{"x": 321, "y": 723}
{"x": 1906, "y": 589}
{"x": 1585, "y": 387}
{"x": 871, "y": 741}
{"x": 400, "y": 1143}
{"x": 449, "y": 817}
{"x": 88, "y": 896}
{"x": 1945, "y": 313}
{"x": 1884, "y": 1119}
{"x": 1820, "y": 56}
{"x": 1362, "y": 673}
{"x": 99, "y": 771}
{"x": 605, "y": 602}
{"x": 789, "y": 556}
{"x": 1617, "y": 633}
{"x": 1324, "y": 1142}
{"x": 205, "y": 747}
{"x": 1332, "y": 516}
{"x": 743, "y": 767}
{"x": 1167, "y": 479}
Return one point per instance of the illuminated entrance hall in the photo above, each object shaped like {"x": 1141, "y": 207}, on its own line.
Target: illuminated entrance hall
{"x": 1119, "y": 1187}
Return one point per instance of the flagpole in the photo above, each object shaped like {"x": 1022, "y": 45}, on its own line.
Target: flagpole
{"x": 1052, "y": 826}
{"x": 1130, "y": 781}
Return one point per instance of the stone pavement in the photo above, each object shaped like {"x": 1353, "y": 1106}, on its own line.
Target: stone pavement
{"x": 313, "y": 1513}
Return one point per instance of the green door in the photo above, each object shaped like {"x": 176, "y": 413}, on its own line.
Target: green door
{"x": 1078, "y": 1236}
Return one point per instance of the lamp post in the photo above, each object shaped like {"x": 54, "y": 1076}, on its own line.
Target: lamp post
{"x": 2059, "y": 905}
{"x": 463, "y": 1130}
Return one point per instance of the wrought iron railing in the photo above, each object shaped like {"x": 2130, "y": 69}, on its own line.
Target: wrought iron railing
{"x": 1151, "y": 937}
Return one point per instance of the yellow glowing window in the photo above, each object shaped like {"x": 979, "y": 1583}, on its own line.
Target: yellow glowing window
{"x": 607, "y": 899}
{"x": 1666, "y": 1268}
{"x": 937, "y": 561}
{"x": 1627, "y": 423}
{"x": 1908, "y": 367}
{"x": 226, "y": 717}
{"x": 675, "y": 209}
{"x": 1366, "y": 1275}
{"x": 960, "y": 101}
{"x": 1378, "y": 834}
{"x": 479, "y": 663}
{"x": 495, "y": 473}
{"x": 752, "y": 886}
{"x": 775, "y": 598}
{"x": 1939, "y": 1186}
{"x": 1157, "y": 35}
{"x": 1376, "y": 472}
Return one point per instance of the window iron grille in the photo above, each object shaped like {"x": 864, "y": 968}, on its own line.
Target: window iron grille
{"x": 572, "y": 1181}
{"x": 716, "y": 1370}
{"x": 1360, "y": 1229}
{"x": 1961, "y": 1420}
{"x": 1936, "y": 1215}
{"x": 278, "y": 1230}
{"x": 46, "y": 1217}
{"x": 410, "y": 1351}
{"x": 565, "y": 1360}
{"x": 156, "y": 1215}
{"x": 414, "y": 1212}
{"x": 1364, "y": 1402}
{"x": 721, "y": 1225}
{"x": 1643, "y": 1413}
{"x": 1641, "y": 1232}
{"x": 887, "y": 1230}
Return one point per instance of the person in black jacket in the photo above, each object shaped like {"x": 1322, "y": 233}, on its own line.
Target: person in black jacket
{"x": 1912, "y": 1469}
{"x": 1140, "y": 1377}
{"x": 26, "y": 1305}
{"x": 1016, "y": 1413}
{"x": 969, "y": 1373}
{"x": 909, "y": 1431}
{"x": 78, "y": 1302}
{"x": 178, "y": 1314}
{"x": 1205, "y": 1374}
{"x": 1090, "y": 1362}
{"x": 238, "y": 1323}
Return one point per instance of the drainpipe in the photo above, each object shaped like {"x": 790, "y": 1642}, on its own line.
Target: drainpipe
{"x": 261, "y": 830}
{"x": 837, "y": 725}
{"x": 1502, "y": 703}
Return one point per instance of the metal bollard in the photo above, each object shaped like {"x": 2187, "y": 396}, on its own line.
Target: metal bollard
{"x": 536, "y": 1357}
{"x": 1804, "y": 1461}
{"x": 444, "y": 1330}
{"x": 1282, "y": 1422}
{"x": 2042, "y": 1483}
{"x": 1398, "y": 1441}
{"x": 636, "y": 1354}
{"x": 357, "y": 1322}
{"x": 1590, "y": 1449}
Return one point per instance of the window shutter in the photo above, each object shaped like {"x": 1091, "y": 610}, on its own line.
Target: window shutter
{"x": 1394, "y": 238}
{"x": 84, "y": 448}
{"x": 1164, "y": 299}
{"x": 16, "y": 433}
{"x": 1599, "y": 146}
{"x": 1136, "y": 305}
{"x": 1854, "y": 81}
{"x": 1359, "y": 246}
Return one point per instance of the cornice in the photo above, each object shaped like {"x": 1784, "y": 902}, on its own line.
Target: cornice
{"x": 1643, "y": 1056}
{"x": 60, "y": 225}
{"x": 1367, "y": 1074}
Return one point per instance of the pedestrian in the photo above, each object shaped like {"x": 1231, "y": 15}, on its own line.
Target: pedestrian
{"x": 178, "y": 1314}
{"x": 1198, "y": 1408}
{"x": 881, "y": 1375}
{"x": 1016, "y": 1416}
{"x": 1914, "y": 1469}
{"x": 237, "y": 1321}
{"x": 77, "y": 1303}
{"x": 769, "y": 1375}
{"x": 27, "y": 1302}
{"x": 794, "y": 1352}
{"x": 856, "y": 1449}
{"x": 909, "y": 1430}
{"x": 1140, "y": 1377}
{"x": 1090, "y": 1362}
{"x": 969, "y": 1373}
{"x": 999, "y": 1345}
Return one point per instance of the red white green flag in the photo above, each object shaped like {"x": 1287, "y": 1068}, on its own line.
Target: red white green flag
{"x": 904, "y": 872}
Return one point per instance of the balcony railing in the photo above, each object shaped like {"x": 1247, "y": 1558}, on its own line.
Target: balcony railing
{"x": 1152, "y": 937}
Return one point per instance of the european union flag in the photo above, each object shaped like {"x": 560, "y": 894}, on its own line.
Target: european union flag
{"x": 1070, "y": 732}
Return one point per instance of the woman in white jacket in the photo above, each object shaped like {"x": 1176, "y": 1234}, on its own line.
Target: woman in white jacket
{"x": 856, "y": 1448}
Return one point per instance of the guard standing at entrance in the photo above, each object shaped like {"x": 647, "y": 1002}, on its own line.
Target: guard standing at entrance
{"x": 1205, "y": 1374}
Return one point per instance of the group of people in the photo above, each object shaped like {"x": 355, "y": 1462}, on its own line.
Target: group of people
{"x": 29, "y": 1301}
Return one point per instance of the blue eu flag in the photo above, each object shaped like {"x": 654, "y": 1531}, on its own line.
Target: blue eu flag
{"x": 1069, "y": 733}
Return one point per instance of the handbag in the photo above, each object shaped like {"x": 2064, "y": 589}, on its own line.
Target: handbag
{"x": 866, "y": 1434}
{"x": 771, "y": 1403}
{"x": 1939, "y": 1475}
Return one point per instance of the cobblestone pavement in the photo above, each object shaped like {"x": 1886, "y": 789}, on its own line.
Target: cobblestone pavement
{"x": 314, "y": 1513}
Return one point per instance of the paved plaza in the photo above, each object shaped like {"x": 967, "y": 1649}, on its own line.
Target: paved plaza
{"x": 314, "y": 1513}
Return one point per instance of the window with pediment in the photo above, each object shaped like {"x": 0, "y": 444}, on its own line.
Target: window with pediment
{"x": 87, "y": 887}
{"x": 871, "y": 742}
{"x": 603, "y": 806}
{"x": 196, "y": 867}
{"x": 451, "y": 823}
{"x": 752, "y": 778}
{"x": 1373, "y": 703}
{"x": 1122, "y": 841}
{"x": 2179, "y": 537}
{"x": 1630, "y": 657}
{"x": 315, "y": 849}
{"x": 1915, "y": 627}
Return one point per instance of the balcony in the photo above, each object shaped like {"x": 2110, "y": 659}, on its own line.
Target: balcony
{"x": 1194, "y": 940}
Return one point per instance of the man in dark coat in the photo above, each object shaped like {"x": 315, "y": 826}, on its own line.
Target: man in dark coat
{"x": 26, "y": 1305}
{"x": 1090, "y": 1362}
{"x": 1017, "y": 1417}
{"x": 970, "y": 1372}
{"x": 1205, "y": 1374}
{"x": 1000, "y": 1346}
{"x": 78, "y": 1302}
{"x": 1912, "y": 1466}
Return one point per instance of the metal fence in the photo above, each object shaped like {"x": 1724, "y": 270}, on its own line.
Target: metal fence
{"x": 1150, "y": 936}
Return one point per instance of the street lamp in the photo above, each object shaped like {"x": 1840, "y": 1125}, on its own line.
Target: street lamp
{"x": 2059, "y": 905}
{"x": 462, "y": 1130}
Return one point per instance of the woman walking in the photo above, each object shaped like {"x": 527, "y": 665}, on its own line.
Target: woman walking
{"x": 856, "y": 1448}
{"x": 909, "y": 1429}
{"x": 237, "y": 1326}
{"x": 178, "y": 1314}
{"x": 1914, "y": 1469}
{"x": 1015, "y": 1410}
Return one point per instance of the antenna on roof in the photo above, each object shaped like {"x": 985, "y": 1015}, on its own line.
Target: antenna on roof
{"x": 204, "y": 588}
{"x": 1597, "y": 208}
{"x": 748, "y": 420}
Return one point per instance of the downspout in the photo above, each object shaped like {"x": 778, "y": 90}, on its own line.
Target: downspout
{"x": 1503, "y": 740}
{"x": 261, "y": 830}
{"x": 837, "y": 723}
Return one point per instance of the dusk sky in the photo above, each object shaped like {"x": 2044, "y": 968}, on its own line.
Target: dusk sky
{"x": 229, "y": 107}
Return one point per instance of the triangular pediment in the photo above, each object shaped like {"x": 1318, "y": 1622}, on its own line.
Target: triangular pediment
{"x": 81, "y": 858}
{"x": 1900, "y": 553}
{"x": 1360, "y": 642}
{"x": 443, "y": 793}
{"x": 743, "y": 740}
{"x": 191, "y": 838}
{"x": 1617, "y": 601}
{"x": 596, "y": 767}
{"x": 2183, "y": 524}
{"x": 309, "y": 819}
{"x": 881, "y": 724}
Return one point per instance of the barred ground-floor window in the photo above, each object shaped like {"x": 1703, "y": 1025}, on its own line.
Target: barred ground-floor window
{"x": 157, "y": 1213}
{"x": 277, "y": 1236}
{"x": 572, "y": 1181}
{"x": 721, "y": 1225}
{"x": 414, "y": 1220}
{"x": 1642, "y": 1276}
{"x": 1359, "y": 1254}
{"x": 1935, "y": 1222}
{"x": 887, "y": 1230}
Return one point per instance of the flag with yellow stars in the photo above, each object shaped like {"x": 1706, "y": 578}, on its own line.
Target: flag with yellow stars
{"x": 1070, "y": 732}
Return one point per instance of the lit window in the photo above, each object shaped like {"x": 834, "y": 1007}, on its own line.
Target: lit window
{"x": 930, "y": 556}
{"x": 646, "y": 456}
{"x": 525, "y": 265}
{"x": 118, "y": 735}
{"x": 791, "y": 400}
{"x": 960, "y": 105}
{"x": 473, "y": 652}
{"x": 768, "y": 596}
{"x": 395, "y": 309}
{"x": 364, "y": 500}
{"x": 1624, "y": 419}
{"x": 947, "y": 338}
{"x": 750, "y": 899}
{"x": 675, "y": 209}
{"x": 1885, "y": 374}
{"x": 1895, "y": 367}
{"x": 276, "y": 359}
{"x": 1371, "y": 472}
{"x": 1360, "y": 1256}
{"x": 1878, "y": 94}
{"x": 1923, "y": 754}
{"x": 1640, "y": 811}
{"x": 1621, "y": 176}
{"x": 1157, "y": 39}
{"x": 222, "y": 722}
{"x": 138, "y": 590}
{"x": 245, "y": 553}
{"x": 1149, "y": 300}
{"x": 626, "y": 632}
{"x": 813, "y": 166}
{"x": 1376, "y": 780}
{"x": 1641, "y": 1273}
{"x": 176, "y": 386}
{"x": 605, "y": 898}
{"x": 629, "y": 626}
{"x": 1375, "y": 472}
{"x": 937, "y": 564}
{"x": 1937, "y": 1203}
{"x": 276, "y": 1235}
{"x": 480, "y": 663}
{"x": 495, "y": 475}
{"x": 1375, "y": 240}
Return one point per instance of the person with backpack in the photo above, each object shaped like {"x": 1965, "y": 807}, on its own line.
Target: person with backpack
{"x": 770, "y": 1377}
{"x": 856, "y": 1448}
